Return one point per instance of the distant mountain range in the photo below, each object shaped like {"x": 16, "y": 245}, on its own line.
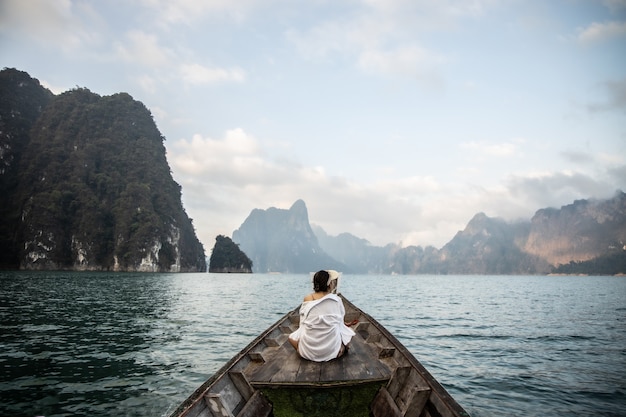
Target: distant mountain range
{"x": 579, "y": 237}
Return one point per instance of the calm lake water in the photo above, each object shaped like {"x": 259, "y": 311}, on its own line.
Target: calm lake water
{"x": 103, "y": 344}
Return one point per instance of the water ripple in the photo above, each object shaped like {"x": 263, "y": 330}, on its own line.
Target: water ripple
{"x": 138, "y": 344}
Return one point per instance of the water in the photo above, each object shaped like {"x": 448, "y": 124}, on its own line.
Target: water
{"x": 103, "y": 344}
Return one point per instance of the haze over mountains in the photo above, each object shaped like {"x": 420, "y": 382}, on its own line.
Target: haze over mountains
{"x": 279, "y": 240}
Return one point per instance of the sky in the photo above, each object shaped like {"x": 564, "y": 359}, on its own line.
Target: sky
{"x": 393, "y": 120}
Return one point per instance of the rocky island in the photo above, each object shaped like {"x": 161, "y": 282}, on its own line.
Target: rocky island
{"x": 85, "y": 184}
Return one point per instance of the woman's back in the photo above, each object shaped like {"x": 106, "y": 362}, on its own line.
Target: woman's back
{"x": 322, "y": 330}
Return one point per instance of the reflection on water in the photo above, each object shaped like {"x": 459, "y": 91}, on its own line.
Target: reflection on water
{"x": 105, "y": 344}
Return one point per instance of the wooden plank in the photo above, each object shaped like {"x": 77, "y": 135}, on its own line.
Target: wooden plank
{"x": 417, "y": 403}
{"x": 398, "y": 380}
{"x": 198, "y": 409}
{"x": 273, "y": 364}
{"x": 334, "y": 370}
{"x": 409, "y": 391}
{"x": 257, "y": 406}
{"x": 384, "y": 406}
{"x": 217, "y": 406}
{"x": 413, "y": 393}
{"x": 309, "y": 371}
{"x": 242, "y": 384}
{"x": 256, "y": 357}
{"x": 290, "y": 365}
{"x": 362, "y": 363}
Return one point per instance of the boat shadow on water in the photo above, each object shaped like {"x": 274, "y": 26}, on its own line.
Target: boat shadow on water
{"x": 379, "y": 377}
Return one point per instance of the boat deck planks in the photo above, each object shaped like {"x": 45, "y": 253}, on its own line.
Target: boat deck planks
{"x": 286, "y": 367}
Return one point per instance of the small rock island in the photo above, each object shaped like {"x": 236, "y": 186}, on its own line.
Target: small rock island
{"x": 228, "y": 258}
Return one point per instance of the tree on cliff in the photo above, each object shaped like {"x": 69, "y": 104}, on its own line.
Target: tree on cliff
{"x": 227, "y": 257}
{"x": 22, "y": 99}
{"x": 95, "y": 191}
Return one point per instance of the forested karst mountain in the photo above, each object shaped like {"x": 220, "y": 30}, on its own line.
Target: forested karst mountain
{"x": 94, "y": 190}
{"x": 22, "y": 99}
{"x": 581, "y": 231}
{"x": 489, "y": 246}
{"x": 226, "y": 257}
{"x": 586, "y": 236}
{"x": 280, "y": 240}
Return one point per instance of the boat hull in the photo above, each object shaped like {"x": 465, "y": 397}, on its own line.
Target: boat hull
{"x": 379, "y": 377}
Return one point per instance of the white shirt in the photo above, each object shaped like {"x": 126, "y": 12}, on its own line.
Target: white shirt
{"x": 322, "y": 329}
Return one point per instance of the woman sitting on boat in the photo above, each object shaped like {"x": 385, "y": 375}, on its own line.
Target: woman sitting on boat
{"x": 322, "y": 334}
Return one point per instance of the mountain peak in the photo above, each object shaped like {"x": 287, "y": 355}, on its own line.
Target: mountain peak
{"x": 279, "y": 240}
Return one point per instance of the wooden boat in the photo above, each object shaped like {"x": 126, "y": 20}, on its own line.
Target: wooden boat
{"x": 378, "y": 377}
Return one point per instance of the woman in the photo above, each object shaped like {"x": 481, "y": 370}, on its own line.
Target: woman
{"x": 322, "y": 334}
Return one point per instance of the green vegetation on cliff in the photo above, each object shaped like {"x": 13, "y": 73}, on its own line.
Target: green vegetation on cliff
{"x": 612, "y": 264}
{"x": 227, "y": 257}
{"x": 94, "y": 189}
{"x": 22, "y": 99}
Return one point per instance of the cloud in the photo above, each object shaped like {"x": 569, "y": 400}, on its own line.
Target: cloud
{"x": 62, "y": 23}
{"x": 552, "y": 189}
{"x": 335, "y": 38}
{"x": 597, "y": 32}
{"x": 504, "y": 149}
{"x": 196, "y": 74}
{"x": 615, "y": 5}
{"x": 144, "y": 49}
{"x": 411, "y": 61}
{"x": 225, "y": 178}
{"x": 237, "y": 156}
{"x": 383, "y": 38}
{"x": 615, "y": 92}
{"x": 618, "y": 173}
{"x": 54, "y": 88}
{"x": 576, "y": 157}
{"x": 187, "y": 11}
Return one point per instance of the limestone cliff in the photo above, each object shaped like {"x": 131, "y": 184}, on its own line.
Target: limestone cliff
{"x": 279, "y": 240}
{"x": 93, "y": 190}
{"x": 227, "y": 257}
{"x": 283, "y": 240}
{"x": 578, "y": 232}
{"x": 588, "y": 231}
{"x": 489, "y": 246}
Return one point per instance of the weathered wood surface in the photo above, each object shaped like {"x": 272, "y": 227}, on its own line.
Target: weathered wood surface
{"x": 283, "y": 366}
{"x": 271, "y": 363}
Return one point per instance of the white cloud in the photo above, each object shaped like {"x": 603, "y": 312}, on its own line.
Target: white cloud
{"x": 339, "y": 38}
{"x": 493, "y": 149}
{"x": 552, "y": 189}
{"x": 411, "y": 61}
{"x": 615, "y": 5}
{"x": 615, "y": 92}
{"x": 211, "y": 157}
{"x": 196, "y": 74}
{"x": 597, "y": 32}
{"x": 611, "y": 160}
{"x": 225, "y": 179}
{"x": 148, "y": 83}
{"x": 54, "y": 88}
{"x": 382, "y": 38}
{"x": 144, "y": 49}
{"x": 61, "y": 23}
{"x": 187, "y": 11}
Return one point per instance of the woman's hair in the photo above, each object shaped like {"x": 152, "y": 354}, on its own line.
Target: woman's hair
{"x": 320, "y": 281}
